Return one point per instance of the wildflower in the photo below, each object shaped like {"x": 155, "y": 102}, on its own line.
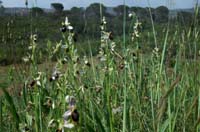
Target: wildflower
{"x": 71, "y": 116}
{"x": 136, "y": 28}
{"x": 86, "y": 61}
{"x": 55, "y": 75}
{"x": 69, "y": 27}
{"x": 103, "y": 23}
{"x": 34, "y": 37}
{"x": 117, "y": 110}
{"x": 67, "y": 21}
{"x": 63, "y": 29}
{"x": 59, "y": 130}
{"x": 52, "y": 123}
{"x": 98, "y": 88}
{"x": 24, "y": 127}
{"x": 83, "y": 87}
{"x": 64, "y": 46}
{"x": 56, "y": 49}
{"x": 137, "y": 24}
{"x": 130, "y": 15}
{"x": 70, "y": 100}
{"x": 103, "y": 58}
{"x": 75, "y": 115}
{"x": 37, "y": 79}
{"x": 113, "y": 45}
{"x": 121, "y": 66}
{"x": 49, "y": 103}
{"x": 156, "y": 49}
{"x": 104, "y": 20}
{"x": 76, "y": 59}
{"x": 25, "y": 59}
{"x": 66, "y": 25}
{"x": 111, "y": 36}
{"x": 32, "y": 83}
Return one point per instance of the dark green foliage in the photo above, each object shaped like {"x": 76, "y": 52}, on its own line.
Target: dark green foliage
{"x": 12, "y": 107}
{"x": 58, "y": 7}
{"x": 161, "y": 14}
{"x": 185, "y": 18}
{"x": 120, "y": 10}
{"x": 16, "y": 30}
{"x": 36, "y": 11}
{"x": 94, "y": 10}
{"x": 2, "y": 9}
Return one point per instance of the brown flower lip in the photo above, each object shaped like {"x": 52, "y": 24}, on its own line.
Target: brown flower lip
{"x": 75, "y": 115}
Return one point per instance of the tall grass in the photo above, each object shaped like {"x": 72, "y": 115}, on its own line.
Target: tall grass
{"x": 116, "y": 90}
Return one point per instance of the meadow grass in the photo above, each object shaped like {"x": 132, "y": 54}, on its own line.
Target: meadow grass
{"x": 119, "y": 89}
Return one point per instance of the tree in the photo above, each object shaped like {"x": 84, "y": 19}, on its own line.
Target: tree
{"x": 184, "y": 17}
{"x": 120, "y": 10}
{"x": 161, "y": 14}
{"x": 77, "y": 18}
{"x": 37, "y": 11}
{"x": 58, "y": 7}
{"x": 94, "y": 10}
{"x": 1, "y": 8}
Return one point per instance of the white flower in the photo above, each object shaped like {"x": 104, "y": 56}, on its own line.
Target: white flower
{"x": 67, "y": 114}
{"x": 67, "y": 21}
{"x": 130, "y": 15}
{"x": 53, "y": 105}
{"x": 56, "y": 74}
{"x": 104, "y": 21}
{"x": 69, "y": 27}
{"x": 71, "y": 101}
{"x": 37, "y": 79}
{"x": 67, "y": 24}
{"x": 117, "y": 110}
{"x": 103, "y": 58}
{"x": 113, "y": 46}
{"x": 67, "y": 124}
{"x": 38, "y": 83}
{"x": 51, "y": 122}
{"x": 25, "y": 59}
{"x": 64, "y": 46}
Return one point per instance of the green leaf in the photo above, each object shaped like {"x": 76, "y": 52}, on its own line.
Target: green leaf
{"x": 12, "y": 108}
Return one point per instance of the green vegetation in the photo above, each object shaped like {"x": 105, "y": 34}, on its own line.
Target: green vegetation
{"x": 57, "y": 7}
{"x": 123, "y": 73}
{"x": 16, "y": 29}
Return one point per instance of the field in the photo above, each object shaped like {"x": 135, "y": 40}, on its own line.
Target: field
{"x": 140, "y": 81}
